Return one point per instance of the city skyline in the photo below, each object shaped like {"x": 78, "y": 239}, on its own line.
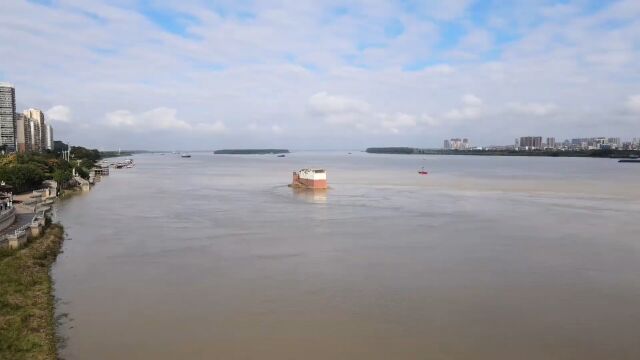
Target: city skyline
{"x": 22, "y": 132}
{"x": 324, "y": 75}
{"x": 540, "y": 142}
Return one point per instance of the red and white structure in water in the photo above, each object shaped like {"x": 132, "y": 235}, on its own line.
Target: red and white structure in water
{"x": 310, "y": 179}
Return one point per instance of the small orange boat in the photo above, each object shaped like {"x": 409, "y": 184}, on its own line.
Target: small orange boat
{"x": 422, "y": 171}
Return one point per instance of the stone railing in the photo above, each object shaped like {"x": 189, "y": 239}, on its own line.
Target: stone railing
{"x": 25, "y": 232}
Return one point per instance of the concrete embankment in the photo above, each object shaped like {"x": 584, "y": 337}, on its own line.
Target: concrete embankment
{"x": 27, "y": 323}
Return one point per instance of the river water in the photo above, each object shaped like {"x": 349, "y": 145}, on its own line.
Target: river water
{"x": 214, "y": 257}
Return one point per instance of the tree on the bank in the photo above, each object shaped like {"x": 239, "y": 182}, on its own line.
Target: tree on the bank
{"x": 78, "y": 152}
{"x": 23, "y": 177}
{"x": 26, "y": 172}
{"x": 62, "y": 177}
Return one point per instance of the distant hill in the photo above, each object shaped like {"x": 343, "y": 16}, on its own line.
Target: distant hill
{"x": 251, "y": 151}
{"x": 391, "y": 150}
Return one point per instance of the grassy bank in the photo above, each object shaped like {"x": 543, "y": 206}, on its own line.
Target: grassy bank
{"x": 27, "y": 324}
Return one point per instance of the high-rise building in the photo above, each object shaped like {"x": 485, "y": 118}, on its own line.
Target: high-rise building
{"x": 7, "y": 116}
{"x": 49, "y": 142}
{"x": 38, "y": 129}
{"x": 551, "y": 142}
{"x": 446, "y": 145}
{"x": 531, "y": 142}
{"x": 598, "y": 142}
{"x": 23, "y": 133}
{"x": 457, "y": 144}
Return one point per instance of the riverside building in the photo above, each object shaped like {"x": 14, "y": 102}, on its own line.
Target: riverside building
{"x": 551, "y": 142}
{"x": 531, "y": 142}
{"x": 23, "y": 133}
{"x": 49, "y": 142}
{"x": 457, "y": 144}
{"x": 7, "y": 117}
{"x": 38, "y": 129}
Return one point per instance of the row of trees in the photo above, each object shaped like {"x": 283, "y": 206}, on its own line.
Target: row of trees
{"x": 26, "y": 172}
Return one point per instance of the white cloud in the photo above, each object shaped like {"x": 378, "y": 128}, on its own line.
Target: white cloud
{"x": 396, "y": 122}
{"x": 257, "y": 74}
{"x": 161, "y": 118}
{"x": 440, "y": 69}
{"x": 338, "y": 109}
{"x": 59, "y": 113}
{"x": 532, "y": 108}
{"x": 476, "y": 41}
{"x": 217, "y": 127}
{"x": 344, "y": 111}
{"x": 465, "y": 113}
{"x": 471, "y": 100}
{"x": 121, "y": 118}
{"x": 323, "y": 103}
{"x": 471, "y": 109}
{"x": 633, "y": 103}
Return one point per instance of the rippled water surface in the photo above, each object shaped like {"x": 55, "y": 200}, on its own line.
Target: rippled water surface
{"x": 214, "y": 257}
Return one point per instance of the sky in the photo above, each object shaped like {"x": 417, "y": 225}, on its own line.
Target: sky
{"x": 297, "y": 74}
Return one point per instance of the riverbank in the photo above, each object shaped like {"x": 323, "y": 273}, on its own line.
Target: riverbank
{"x": 27, "y": 322}
{"x": 602, "y": 153}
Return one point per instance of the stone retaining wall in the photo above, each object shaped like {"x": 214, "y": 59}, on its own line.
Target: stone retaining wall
{"x": 7, "y": 218}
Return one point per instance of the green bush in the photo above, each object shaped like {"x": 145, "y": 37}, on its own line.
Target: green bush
{"x": 22, "y": 177}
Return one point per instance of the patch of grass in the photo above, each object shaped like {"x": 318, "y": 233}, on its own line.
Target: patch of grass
{"x": 27, "y": 324}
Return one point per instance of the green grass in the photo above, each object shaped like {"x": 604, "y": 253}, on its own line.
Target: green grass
{"x": 27, "y": 324}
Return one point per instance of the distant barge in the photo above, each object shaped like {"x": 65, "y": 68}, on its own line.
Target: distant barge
{"x": 629, "y": 161}
{"x": 310, "y": 179}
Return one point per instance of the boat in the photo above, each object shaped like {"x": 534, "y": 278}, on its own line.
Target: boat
{"x": 310, "y": 179}
{"x": 127, "y": 163}
{"x": 185, "y": 155}
{"x": 422, "y": 171}
{"x": 281, "y": 155}
{"x": 629, "y": 161}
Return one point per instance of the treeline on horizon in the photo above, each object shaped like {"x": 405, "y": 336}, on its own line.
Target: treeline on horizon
{"x": 26, "y": 172}
{"x": 599, "y": 153}
{"x": 251, "y": 151}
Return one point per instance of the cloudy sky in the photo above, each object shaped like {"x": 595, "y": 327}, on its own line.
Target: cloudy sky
{"x": 196, "y": 74}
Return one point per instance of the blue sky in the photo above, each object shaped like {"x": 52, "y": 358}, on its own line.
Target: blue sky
{"x": 305, "y": 74}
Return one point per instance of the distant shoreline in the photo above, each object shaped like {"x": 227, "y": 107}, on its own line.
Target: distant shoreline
{"x": 602, "y": 153}
{"x": 250, "y": 151}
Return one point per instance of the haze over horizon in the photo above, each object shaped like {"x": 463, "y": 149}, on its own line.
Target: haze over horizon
{"x": 309, "y": 75}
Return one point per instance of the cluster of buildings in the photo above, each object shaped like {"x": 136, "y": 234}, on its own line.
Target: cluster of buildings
{"x": 22, "y": 132}
{"x": 531, "y": 143}
{"x": 457, "y": 144}
{"x": 593, "y": 143}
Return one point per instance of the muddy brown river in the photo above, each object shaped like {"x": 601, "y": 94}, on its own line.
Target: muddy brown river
{"x": 214, "y": 257}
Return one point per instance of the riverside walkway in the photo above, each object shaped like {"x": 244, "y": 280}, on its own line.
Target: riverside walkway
{"x": 26, "y": 207}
